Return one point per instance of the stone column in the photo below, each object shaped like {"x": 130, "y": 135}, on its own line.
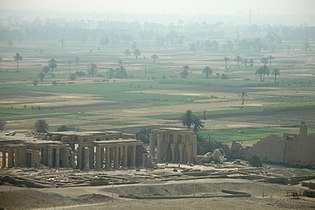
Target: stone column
{"x": 91, "y": 156}
{"x": 102, "y": 157}
{"x": 35, "y": 158}
{"x": 65, "y": 157}
{"x": 86, "y": 158}
{"x": 43, "y": 156}
{"x": 125, "y": 157}
{"x": 141, "y": 156}
{"x": 173, "y": 153}
{"x": 79, "y": 157}
{"x": 17, "y": 157}
{"x": 181, "y": 152}
{"x": 98, "y": 157}
{"x": 107, "y": 158}
{"x": 10, "y": 158}
{"x": 71, "y": 156}
{"x": 152, "y": 143}
{"x": 159, "y": 151}
{"x": 49, "y": 156}
{"x": 189, "y": 152}
{"x": 4, "y": 159}
{"x": 57, "y": 157}
{"x": 194, "y": 146}
{"x": 133, "y": 156}
{"x": 22, "y": 156}
{"x": 116, "y": 157}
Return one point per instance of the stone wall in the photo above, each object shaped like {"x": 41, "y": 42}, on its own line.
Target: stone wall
{"x": 270, "y": 148}
{"x": 293, "y": 149}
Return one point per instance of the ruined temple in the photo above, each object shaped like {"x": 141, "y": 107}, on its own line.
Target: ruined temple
{"x": 294, "y": 149}
{"x": 173, "y": 145}
{"x": 81, "y": 150}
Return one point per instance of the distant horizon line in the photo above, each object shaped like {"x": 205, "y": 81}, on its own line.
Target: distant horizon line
{"x": 239, "y": 18}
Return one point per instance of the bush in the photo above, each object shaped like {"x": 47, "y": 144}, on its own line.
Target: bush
{"x": 72, "y": 77}
{"x": 255, "y": 161}
{"x": 2, "y": 125}
{"x": 80, "y": 73}
{"x": 41, "y": 126}
{"x": 144, "y": 135}
{"x": 35, "y": 82}
{"x": 64, "y": 128}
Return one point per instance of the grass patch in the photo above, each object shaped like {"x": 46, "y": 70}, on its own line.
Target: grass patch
{"x": 243, "y": 134}
{"x": 289, "y": 106}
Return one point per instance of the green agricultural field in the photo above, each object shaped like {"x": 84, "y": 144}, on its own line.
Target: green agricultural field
{"x": 154, "y": 94}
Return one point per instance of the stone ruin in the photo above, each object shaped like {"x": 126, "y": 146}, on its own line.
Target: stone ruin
{"x": 81, "y": 150}
{"x": 294, "y": 149}
{"x": 173, "y": 145}
{"x": 216, "y": 156}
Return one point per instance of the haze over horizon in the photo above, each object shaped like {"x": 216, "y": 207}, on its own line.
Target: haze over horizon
{"x": 286, "y": 12}
{"x": 188, "y": 7}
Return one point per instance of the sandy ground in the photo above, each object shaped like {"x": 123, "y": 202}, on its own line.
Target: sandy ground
{"x": 106, "y": 197}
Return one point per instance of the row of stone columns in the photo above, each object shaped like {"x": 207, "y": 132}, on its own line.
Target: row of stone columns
{"x": 52, "y": 156}
{"x": 13, "y": 157}
{"x": 107, "y": 156}
{"x": 55, "y": 156}
{"x": 180, "y": 150}
{"x": 115, "y": 156}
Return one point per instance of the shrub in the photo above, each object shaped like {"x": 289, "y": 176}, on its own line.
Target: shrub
{"x": 2, "y": 125}
{"x": 255, "y": 161}
{"x": 41, "y": 126}
{"x": 72, "y": 77}
{"x": 64, "y": 128}
{"x": 35, "y": 82}
{"x": 144, "y": 135}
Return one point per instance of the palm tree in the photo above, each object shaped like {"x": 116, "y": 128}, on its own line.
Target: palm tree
{"x": 251, "y": 61}
{"x": 270, "y": 58}
{"x": 120, "y": 62}
{"x": 217, "y": 74}
{"x": 77, "y": 59}
{"x": 154, "y": 57}
{"x": 45, "y": 69}
{"x": 243, "y": 95}
{"x": 188, "y": 119}
{"x": 264, "y": 61}
{"x": 184, "y": 73}
{"x": 226, "y": 59}
{"x": 62, "y": 42}
{"x": 245, "y": 62}
{"x": 121, "y": 72}
{"x": 238, "y": 59}
{"x": 208, "y": 71}
{"x": 104, "y": 42}
{"x": 127, "y": 52}
{"x": 1, "y": 60}
{"x": 198, "y": 125}
{"x": 275, "y": 72}
{"x": 17, "y": 57}
{"x": 262, "y": 71}
{"x": 92, "y": 69}
{"x": 41, "y": 76}
{"x": 52, "y": 64}
{"x": 111, "y": 73}
{"x": 137, "y": 52}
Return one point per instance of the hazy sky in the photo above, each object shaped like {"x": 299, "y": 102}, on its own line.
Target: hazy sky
{"x": 192, "y": 7}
